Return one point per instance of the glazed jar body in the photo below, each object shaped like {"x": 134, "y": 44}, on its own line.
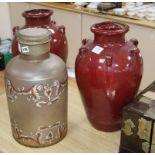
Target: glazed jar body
{"x": 36, "y": 90}
{"x": 108, "y": 73}
{"x": 42, "y": 18}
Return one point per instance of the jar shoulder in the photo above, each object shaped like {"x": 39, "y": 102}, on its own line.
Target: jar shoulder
{"x": 121, "y": 57}
{"x": 31, "y": 70}
{"x": 117, "y": 50}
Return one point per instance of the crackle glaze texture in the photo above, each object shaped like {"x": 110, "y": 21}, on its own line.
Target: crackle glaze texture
{"x": 108, "y": 73}
{"x": 42, "y": 18}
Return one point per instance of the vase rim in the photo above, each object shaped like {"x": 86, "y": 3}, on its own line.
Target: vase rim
{"x": 109, "y": 28}
{"x": 37, "y": 13}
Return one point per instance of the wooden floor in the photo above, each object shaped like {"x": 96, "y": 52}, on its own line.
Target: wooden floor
{"x": 81, "y": 137}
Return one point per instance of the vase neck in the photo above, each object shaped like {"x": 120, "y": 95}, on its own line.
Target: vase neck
{"x": 37, "y": 22}
{"x": 103, "y": 39}
{"x": 36, "y": 58}
{"x": 37, "y": 17}
{"x": 34, "y": 43}
{"x": 109, "y": 32}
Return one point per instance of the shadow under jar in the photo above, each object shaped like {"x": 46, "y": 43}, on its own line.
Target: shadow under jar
{"x": 108, "y": 74}
{"x": 36, "y": 90}
{"x": 41, "y": 18}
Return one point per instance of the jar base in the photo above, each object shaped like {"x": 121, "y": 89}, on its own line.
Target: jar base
{"x": 106, "y": 127}
{"x": 31, "y": 143}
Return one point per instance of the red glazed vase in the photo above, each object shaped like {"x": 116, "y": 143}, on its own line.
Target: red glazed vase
{"x": 42, "y": 18}
{"x": 108, "y": 74}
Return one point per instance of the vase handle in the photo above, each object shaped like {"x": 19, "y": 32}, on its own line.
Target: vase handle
{"x": 53, "y": 22}
{"x": 61, "y": 29}
{"x": 15, "y": 29}
{"x": 83, "y": 50}
{"x": 84, "y": 41}
{"x": 134, "y": 41}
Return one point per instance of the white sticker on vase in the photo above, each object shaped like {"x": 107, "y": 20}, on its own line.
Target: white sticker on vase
{"x": 25, "y": 49}
{"x": 97, "y": 49}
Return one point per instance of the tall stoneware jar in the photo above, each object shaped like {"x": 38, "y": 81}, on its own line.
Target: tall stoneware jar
{"x": 108, "y": 73}
{"x": 36, "y": 90}
{"x": 42, "y": 18}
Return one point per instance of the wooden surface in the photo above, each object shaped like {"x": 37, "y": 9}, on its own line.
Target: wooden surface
{"x": 81, "y": 137}
{"x": 109, "y": 16}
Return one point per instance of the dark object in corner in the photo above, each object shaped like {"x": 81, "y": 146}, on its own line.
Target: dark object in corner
{"x": 118, "y": 4}
{"x": 138, "y": 127}
{"x": 2, "y": 64}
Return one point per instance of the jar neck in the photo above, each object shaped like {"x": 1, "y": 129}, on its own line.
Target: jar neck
{"x": 37, "y": 22}
{"x": 105, "y": 39}
{"x": 34, "y": 51}
{"x": 36, "y": 58}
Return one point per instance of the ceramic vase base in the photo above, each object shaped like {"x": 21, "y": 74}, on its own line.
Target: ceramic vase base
{"x": 31, "y": 143}
{"x": 110, "y": 127}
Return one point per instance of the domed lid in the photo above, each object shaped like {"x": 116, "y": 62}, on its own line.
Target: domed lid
{"x": 109, "y": 28}
{"x": 33, "y": 36}
{"x": 37, "y": 13}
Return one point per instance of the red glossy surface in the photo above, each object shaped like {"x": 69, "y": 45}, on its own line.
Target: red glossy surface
{"x": 109, "y": 80}
{"x": 42, "y": 18}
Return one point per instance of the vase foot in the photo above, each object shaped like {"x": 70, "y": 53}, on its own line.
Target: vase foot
{"x": 106, "y": 127}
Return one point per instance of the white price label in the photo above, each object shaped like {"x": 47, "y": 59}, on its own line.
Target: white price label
{"x": 25, "y": 49}
{"x": 97, "y": 49}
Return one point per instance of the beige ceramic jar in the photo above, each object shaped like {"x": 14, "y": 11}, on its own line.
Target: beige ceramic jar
{"x": 36, "y": 90}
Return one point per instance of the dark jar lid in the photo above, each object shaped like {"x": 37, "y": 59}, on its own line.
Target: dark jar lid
{"x": 109, "y": 28}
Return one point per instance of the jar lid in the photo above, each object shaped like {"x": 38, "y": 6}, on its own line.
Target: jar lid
{"x": 33, "y": 36}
